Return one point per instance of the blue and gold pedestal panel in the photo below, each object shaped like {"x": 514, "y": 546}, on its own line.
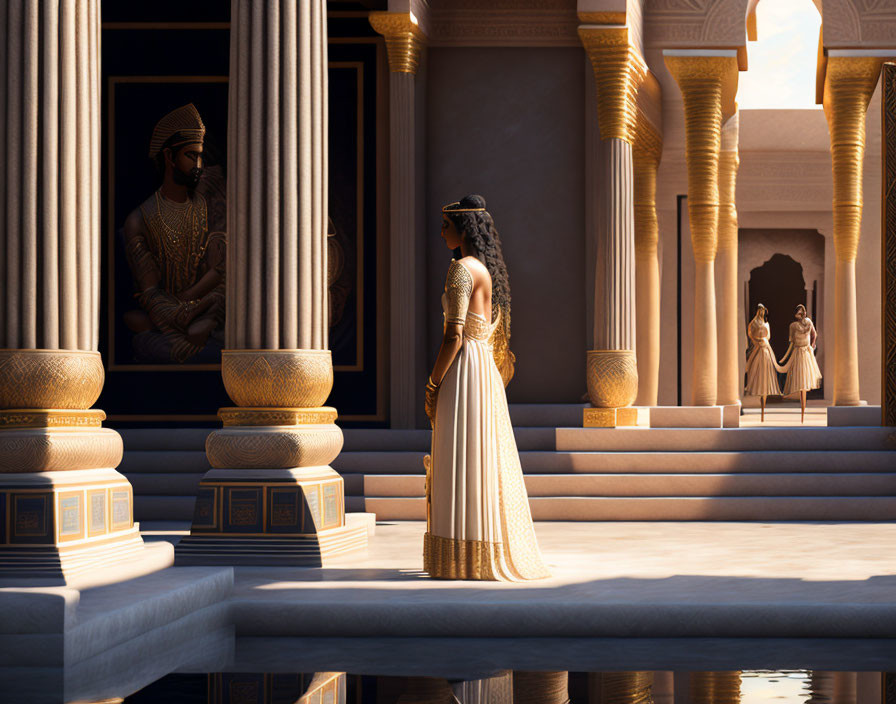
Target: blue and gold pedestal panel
{"x": 59, "y": 523}
{"x": 269, "y": 516}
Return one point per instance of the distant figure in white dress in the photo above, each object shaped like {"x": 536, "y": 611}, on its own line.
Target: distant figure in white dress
{"x": 802, "y": 369}
{"x": 762, "y": 370}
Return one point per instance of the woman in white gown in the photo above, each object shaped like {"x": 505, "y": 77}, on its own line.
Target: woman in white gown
{"x": 762, "y": 370}
{"x": 802, "y": 369}
{"x": 480, "y": 525}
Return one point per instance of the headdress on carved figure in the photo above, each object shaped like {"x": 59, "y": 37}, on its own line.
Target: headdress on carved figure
{"x": 184, "y": 122}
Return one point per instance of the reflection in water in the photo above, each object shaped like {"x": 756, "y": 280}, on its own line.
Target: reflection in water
{"x": 277, "y": 688}
{"x": 540, "y": 687}
{"x": 715, "y": 687}
{"x": 522, "y": 687}
{"x": 780, "y": 686}
{"x": 831, "y": 687}
{"x": 498, "y": 689}
{"x": 620, "y": 688}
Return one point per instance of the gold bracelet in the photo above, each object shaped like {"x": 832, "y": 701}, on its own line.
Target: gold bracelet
{"x": 431, "y": 383}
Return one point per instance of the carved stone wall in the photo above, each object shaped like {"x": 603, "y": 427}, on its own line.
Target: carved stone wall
{"x": 888, "y": 248}
{"x": 503, "y": 23}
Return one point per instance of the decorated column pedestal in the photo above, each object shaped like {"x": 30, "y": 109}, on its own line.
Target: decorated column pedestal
{"x": 64, "y": 509}
{"x": 271, "y": 497}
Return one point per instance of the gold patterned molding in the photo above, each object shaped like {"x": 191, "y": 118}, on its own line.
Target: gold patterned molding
{"x": 276, "y": 416}
{"x": 58, "y": 449}
{"x": 51, "y": 418}
{"x": 277, "y": 378}
{"x": 404, "y": 39}
{"x": 57, "y": 379}
{"x": 274, "y": 447}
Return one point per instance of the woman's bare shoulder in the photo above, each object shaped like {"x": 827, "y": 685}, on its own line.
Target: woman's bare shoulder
{"x": 474, "y": 265}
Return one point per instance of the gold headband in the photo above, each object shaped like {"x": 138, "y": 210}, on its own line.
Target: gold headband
{"x": 451, "y": 209}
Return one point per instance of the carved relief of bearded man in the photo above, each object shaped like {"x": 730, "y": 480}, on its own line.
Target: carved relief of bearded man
{"x": 175, "y": 247}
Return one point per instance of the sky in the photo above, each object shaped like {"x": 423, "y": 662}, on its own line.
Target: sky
{"x": 782, "y": 62}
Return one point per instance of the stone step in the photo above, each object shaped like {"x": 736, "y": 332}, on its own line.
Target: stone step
{"x": 190, "y": 463}
{"x": 153, "y": 507}
{"x": 370, "y": 440}
{"x": 163, "y": 461}
{"x": 658, "y": 485}
{"x": 723, "y": 439}
{"x": 639, "y": 462}
{"x": 546, "y": 415}
{"x": 671, "y": 508}
{"x": 167, "y": 484}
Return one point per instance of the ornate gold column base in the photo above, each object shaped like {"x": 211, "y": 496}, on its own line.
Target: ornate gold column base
{"x": 64, "y": 509}
{"x": 271, "y": 497}
{"x": 609, "y": 417}
{"x": 612, "y": 377}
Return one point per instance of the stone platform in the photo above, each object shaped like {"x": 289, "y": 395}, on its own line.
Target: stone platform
{"x": 613, "y": 580}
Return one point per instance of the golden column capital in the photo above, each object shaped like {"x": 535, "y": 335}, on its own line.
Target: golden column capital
{"x": 619, "y": 72}
{"x": 404, "y": 39}
{"x": 729, "y": 161}
{"x": 848, "y": 85}
{"x": 646, "y": 154}
{"x": 708, "y": 85}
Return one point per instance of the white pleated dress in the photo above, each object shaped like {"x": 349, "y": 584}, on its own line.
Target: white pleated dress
{"x": 762, "y": 369}
{"x": 802, "y": 369}
{"x": 480, "y": 523}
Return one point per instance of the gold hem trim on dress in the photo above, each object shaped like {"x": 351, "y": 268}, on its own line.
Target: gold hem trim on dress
{"x": 449, "y": 558}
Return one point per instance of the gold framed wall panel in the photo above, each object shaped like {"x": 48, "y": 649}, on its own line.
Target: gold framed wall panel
{"x": 380, "y": 217}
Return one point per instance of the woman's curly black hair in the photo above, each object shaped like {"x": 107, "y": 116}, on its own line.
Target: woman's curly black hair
{"x": 479, "y": 233}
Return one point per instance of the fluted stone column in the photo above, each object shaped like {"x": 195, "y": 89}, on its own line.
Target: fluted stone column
{"x": 66, "y": 509}
{"x": 727, "y": 316}
{"x": 620, "y": 688}
{"x": 271, "y": 497}
{"x": 849, "y": 84}
{"x": 707, "y": 82}
{"x": 646, "y": 158}
{"x": 612, "y": 372}
{"x": 404, "y": 42}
